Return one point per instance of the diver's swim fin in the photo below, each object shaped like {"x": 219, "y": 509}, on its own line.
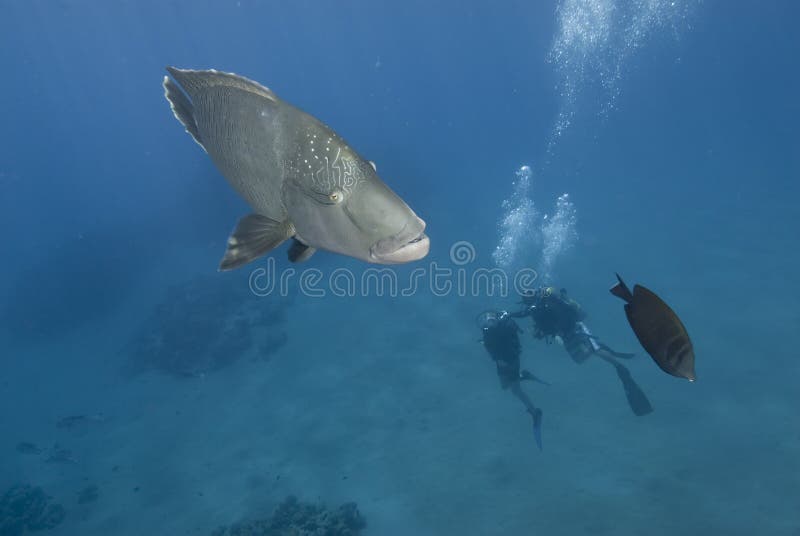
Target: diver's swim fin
{"x": 537, "y": 426}
{"x": 637, "y": 400}
{"x": 527, "y": 375}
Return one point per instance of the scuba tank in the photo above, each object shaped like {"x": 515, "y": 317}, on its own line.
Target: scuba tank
{"x": 580, "y": 344}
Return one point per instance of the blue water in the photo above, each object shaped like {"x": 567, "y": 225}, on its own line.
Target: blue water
{"x": 671, "y": 126}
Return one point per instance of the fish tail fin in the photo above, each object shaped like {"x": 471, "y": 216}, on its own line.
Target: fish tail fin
{"x": 621, "y": 290}
{"x": 182, "y": 108}
{"x": 536, "y": 414}
{"x": 254, "y": 236}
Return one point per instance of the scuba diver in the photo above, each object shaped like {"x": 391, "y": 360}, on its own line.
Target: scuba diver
{"x": 501, "y": 340}
{"x": 556, "y": 316}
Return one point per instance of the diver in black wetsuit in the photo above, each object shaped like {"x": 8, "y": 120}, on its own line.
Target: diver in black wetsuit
{"x": 556, "y": 315}
{"x": 501, "y": 340}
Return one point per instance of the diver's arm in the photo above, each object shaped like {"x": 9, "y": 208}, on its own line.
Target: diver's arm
{"x": 528, "y": 311}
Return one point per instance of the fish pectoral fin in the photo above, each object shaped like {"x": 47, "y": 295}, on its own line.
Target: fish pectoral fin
{"x": 254, "y": 236}
{"x": 299, "y": 252}
{"x": 182, "y": 108}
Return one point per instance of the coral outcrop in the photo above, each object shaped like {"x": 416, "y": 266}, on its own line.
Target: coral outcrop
{"x": 295, "y": 518}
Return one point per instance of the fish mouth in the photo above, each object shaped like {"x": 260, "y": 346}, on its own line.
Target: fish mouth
{"x": 401, "y": 248}
{"x": 414, "y": 250}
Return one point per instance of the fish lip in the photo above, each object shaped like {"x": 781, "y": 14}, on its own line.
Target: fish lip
{"x": 409, "y": 244}
{"x": 413, "y": 250}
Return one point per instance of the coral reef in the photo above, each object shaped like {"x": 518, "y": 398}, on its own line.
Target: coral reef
{"x": 205, "y": 325}
{"x": 26, "y": 509}
{"x": 295, "y": 518}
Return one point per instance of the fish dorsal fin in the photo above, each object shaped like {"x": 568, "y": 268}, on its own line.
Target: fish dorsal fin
{"x": 193, "y": 81}
{"x": 182, "y": 109}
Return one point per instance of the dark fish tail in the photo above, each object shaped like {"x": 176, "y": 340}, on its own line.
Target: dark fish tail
{"x": 621, "y": 290}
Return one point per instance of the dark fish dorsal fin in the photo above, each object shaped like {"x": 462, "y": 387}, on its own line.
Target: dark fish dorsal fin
{"x": 621, "y": 290}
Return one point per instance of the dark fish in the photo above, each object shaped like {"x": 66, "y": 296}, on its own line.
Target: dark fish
{"x": 659, "y": 330}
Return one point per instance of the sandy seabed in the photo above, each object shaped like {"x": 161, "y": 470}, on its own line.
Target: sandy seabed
{"x": 395, "y": 405}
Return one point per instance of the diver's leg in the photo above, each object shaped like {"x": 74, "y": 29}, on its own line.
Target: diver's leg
{"x": 535, "y": 413}
{"x": 516, "y": 388}
{"x": 620, "y": 355}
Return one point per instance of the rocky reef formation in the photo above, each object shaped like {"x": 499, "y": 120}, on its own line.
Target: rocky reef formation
{"x": 25, "y": 509}
{"x": 204, "y": 325}
{"x": 295, "y": 518}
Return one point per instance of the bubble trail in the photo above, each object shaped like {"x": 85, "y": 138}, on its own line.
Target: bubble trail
{"x": 526, "y": 237}
{"x": 594, "y": 42}
{"x": 515, "y": 226}
{"x": 559, "y": 234}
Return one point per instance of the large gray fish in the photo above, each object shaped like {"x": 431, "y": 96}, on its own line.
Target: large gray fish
{"x": 659, "y": 330}
{"x": 301, "y": 179}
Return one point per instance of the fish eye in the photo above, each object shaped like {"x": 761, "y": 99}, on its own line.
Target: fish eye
{"x": 336, "y": 196}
